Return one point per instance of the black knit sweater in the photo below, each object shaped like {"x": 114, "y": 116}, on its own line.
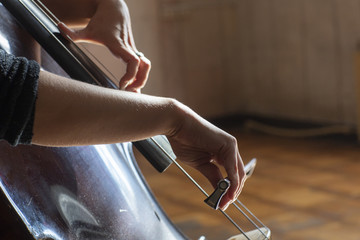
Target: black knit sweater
{"x": 18, "y": 91}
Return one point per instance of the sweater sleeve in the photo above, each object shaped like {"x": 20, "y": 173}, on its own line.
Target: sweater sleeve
{"x": 18, "y": 92}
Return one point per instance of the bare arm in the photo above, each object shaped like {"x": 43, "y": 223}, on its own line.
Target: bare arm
{"x": 70, "y": 112}
{"x": 75, "y": 113}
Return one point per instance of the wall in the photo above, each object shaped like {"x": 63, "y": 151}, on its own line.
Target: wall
{"x": 299, "y": 55}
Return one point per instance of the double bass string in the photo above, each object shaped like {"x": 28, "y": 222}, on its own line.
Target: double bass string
{"x": 248, "y": 218}
{"x": 246, "y": 209}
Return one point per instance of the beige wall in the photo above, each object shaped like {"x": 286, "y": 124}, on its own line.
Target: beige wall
{"x": 280, "y": 58}
{"x": 302, "y": 57}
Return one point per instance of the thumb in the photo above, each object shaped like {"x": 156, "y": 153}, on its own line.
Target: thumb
{"x": 75, "y": 35}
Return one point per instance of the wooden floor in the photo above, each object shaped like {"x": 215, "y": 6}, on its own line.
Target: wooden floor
{"x": 303, "y": 189}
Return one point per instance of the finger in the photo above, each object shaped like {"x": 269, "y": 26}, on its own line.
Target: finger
{"x": 132, "y": 67}
{"x": 225, "y": 202}
{"x": 141, "y": 76}
{"x": 234, "y": 191}
{"x": 233, "y": 176}
{"x": 131, "y": 38}
{"x": 242, "y": 176}
{"x": 231, "y": 195}
{"x": 119, "y": 49}
{"x": 234, "y": 168}
{"x": 211, "y": 172}
{"x": 144, "y": 67}
{"x": 80, "y": 35}
{"x": 124, "y": 36}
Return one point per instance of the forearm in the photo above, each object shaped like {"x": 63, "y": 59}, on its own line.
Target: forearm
{"x": 69, "y": 112}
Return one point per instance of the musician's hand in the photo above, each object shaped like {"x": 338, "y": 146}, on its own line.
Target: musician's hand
{"x": 203, "y": 146}
{"x": 111, "y": 26}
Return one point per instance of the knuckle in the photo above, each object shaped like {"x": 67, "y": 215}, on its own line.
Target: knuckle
{"x": 148, "y": 64}
{"x": 118, "y": 43}
{"x": 134, "y": 60}
{"x": 232, "y": 141}
{"x": 114, "y": 42}
{"x": 118, "y": 40}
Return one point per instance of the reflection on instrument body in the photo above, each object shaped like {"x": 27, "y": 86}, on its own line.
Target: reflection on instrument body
{"x": 90, "y": 192}
{"x": 93, "y": 192}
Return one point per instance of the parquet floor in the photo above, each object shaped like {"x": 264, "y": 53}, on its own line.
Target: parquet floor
{"x": 303, "y": 189}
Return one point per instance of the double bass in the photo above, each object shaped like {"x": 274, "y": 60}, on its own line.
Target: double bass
{"x": 86, "y": 192}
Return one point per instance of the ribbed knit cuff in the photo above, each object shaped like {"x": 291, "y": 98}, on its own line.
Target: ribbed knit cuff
{"x": 18, "y": 92}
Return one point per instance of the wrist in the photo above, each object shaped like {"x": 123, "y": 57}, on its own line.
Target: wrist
{"x": 176, "y": 117}
{"x": 182, "y": 119}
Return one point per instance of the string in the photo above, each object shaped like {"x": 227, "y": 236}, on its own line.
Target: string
{"x": 250, "y": 212}
{"x": 248, "y": 218}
